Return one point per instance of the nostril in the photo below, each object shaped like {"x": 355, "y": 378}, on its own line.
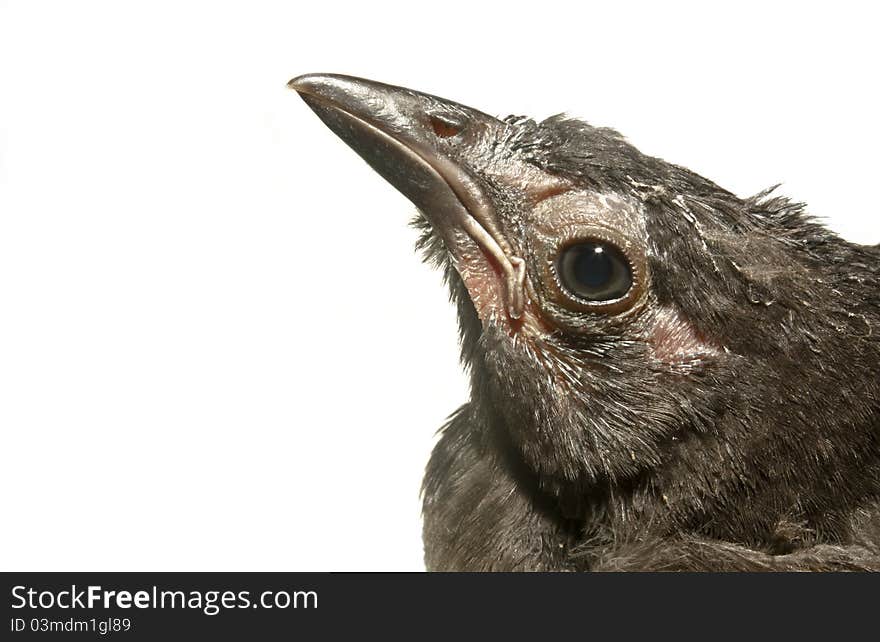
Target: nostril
{"x": 445, "y": 127}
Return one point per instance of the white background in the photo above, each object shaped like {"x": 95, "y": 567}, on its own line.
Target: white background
{"x": 217, "y": 348}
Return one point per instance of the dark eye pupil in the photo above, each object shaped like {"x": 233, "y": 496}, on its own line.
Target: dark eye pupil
{"x": 595, "y": 271}
{"x": 592, "y": 266}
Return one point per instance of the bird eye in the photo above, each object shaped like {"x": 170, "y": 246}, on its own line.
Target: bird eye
{"x": 594, "y": 271}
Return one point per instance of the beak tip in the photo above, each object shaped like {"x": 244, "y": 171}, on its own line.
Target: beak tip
{"x": 300, "y": 83}
{"x": 314, "y": 84}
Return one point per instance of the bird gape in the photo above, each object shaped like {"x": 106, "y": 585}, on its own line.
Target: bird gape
{"x": 664, "y": 376}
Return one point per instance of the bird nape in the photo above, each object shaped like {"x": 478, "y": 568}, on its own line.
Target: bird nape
{"x": 664, "y": 376}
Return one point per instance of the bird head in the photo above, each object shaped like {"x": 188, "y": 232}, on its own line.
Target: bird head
{"x": 613, "y": 306}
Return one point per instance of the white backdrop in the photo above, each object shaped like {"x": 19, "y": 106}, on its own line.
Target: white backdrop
{"x": 217, "y": 348}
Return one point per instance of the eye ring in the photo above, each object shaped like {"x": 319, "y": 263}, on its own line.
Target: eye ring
{"x": 623, "y": 259}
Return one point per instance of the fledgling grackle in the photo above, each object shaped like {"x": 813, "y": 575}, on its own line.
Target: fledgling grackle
{"x": 664, "y": 376}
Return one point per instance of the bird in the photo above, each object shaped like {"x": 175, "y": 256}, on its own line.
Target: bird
{"x": 663, "y": 376}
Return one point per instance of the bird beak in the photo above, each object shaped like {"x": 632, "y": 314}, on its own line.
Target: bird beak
{"x": 408, "y": 138}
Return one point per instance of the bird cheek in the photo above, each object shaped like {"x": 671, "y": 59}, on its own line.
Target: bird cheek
{"x": 483, "y": 282}
{"x": 484, "y": 292}
{"x": 676, "y": 343}
{"x": 486, "y": 287}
